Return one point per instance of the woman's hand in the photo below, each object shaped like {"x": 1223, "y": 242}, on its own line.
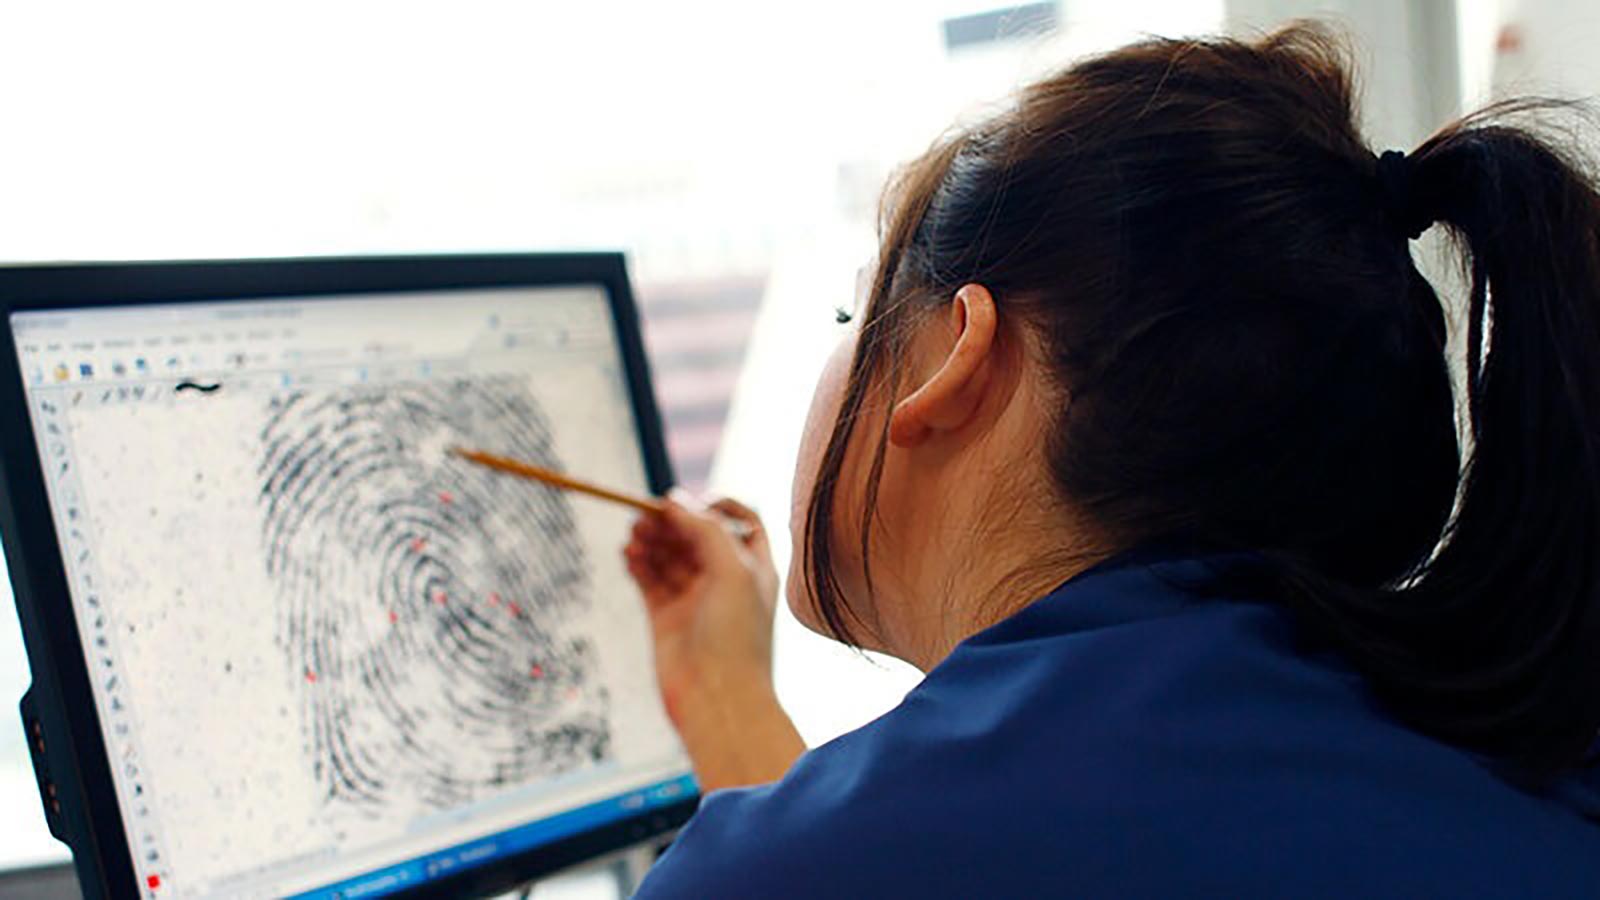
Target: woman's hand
{"x": 711, "y": 596}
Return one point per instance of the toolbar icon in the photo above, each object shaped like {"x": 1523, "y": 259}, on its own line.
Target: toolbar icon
{"x": 85, "y": 370}
{"x": 62, "y": 373}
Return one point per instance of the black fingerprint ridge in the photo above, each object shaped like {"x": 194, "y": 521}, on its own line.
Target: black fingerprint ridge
{"x": 423, "y": 603}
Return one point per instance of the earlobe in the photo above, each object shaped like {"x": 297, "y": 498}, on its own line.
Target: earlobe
{"x": 949, "y": 399}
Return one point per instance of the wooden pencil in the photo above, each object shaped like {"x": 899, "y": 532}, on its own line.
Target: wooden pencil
{"x": 556, "y": 479}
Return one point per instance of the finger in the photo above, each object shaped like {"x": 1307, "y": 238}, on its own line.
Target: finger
{"x": 657, "y": 548}
{"x": 733, "y": 509}
{"x": 662, "y": 555}
{"x": 754, "y": 532}
{"x": 641, "y": 556}
{"x": 655, "y": 534}
{"x": 680, "y": 527}
{"x": 636, "y": 547}
{"x": 656, "y": 585}
{"x": 648, "y": 580}
{"x": 640, "y": 572}
{"x": 658, "y": 556}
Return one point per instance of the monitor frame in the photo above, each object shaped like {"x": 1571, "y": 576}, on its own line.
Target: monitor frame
{"x": 63, "y": 730}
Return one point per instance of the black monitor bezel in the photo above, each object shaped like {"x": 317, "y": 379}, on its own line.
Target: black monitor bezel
{"x": 70, "y": 748}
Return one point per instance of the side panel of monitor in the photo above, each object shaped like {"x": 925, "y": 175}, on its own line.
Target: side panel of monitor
{"x": 60, "y": 708}
{"x": 65, "y": 738}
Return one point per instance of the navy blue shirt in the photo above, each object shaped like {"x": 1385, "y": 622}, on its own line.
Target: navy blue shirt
{"x": 1130, "y": 735}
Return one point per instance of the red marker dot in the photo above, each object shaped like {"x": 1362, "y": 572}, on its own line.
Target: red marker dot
{"x": 494, "y": 598}
{"x": 154, "y": 881}
{"x": 515, "y": 609}
{"x": 446, "y": 497}
{"x": 418, "y": 545}
{"x": 439, "y": 597}
{"x": 311, "y": 677}
{"x": 393, "y": 617}
{"x": 537, "y": 671}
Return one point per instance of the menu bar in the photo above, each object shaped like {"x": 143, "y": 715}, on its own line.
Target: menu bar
{"x": 138, "y": 342}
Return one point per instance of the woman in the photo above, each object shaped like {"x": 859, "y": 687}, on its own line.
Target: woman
{"x": 1146, "y": 453}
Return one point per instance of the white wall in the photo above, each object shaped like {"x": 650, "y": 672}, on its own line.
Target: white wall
{"x": 1553, "y": 48}
{"x": 1407, "y": 56}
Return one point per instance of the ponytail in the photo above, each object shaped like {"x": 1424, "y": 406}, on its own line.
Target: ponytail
{"x": 1495, "y": 642}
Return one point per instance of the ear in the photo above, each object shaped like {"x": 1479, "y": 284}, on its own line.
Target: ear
{"x": 952, "y": 396}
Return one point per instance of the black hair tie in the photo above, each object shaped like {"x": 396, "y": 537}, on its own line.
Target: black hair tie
{"x": 1399, "y": 196}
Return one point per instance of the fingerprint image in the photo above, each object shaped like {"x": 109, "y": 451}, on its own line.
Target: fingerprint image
{"x": 425, "y": 603}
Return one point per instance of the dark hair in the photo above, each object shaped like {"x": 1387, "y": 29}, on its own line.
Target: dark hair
{"x": 1218, "y": 268}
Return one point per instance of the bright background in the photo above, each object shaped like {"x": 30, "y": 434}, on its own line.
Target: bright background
{"x": 734, "y": 149}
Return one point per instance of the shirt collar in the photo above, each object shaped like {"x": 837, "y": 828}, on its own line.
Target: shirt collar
{"x": 1148, "y": 582}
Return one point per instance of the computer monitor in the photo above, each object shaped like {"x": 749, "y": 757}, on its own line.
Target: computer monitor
{"x": 283, "y": 642}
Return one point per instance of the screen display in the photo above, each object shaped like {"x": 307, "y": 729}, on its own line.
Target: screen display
{"x": 329, "y": 657}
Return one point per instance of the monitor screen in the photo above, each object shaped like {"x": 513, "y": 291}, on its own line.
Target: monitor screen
{"x": 329, "y": 657}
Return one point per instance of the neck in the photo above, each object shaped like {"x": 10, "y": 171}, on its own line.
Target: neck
{"x": 994, "y": 577}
